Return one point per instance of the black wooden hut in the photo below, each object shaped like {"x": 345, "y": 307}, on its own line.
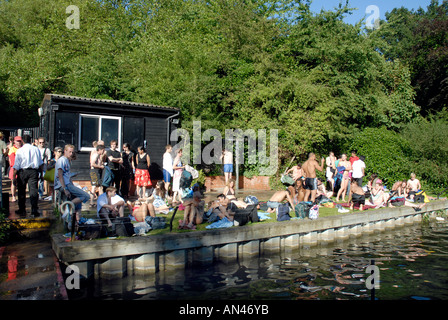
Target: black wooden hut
{"x": 80, "y": 121}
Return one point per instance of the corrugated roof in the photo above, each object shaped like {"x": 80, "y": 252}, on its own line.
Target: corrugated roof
{"x": 108, "y": 101}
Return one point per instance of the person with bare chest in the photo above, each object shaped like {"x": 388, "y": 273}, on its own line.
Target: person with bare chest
{"x": 309, "y": 168}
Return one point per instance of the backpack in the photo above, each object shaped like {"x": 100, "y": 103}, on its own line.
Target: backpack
{"x": 283, "y": 212}
{"x": 245, "y": 215}
{"x": 251, "y": 200}
{"x": 185, "y": 179}
{"x": 123, "y": 227}
{"x": 314, "y": 212}
{"x": 302, "y": 209}
{"x": 287, "y": 180}
{"x": 420, "y": 197}
{"x": 156, "y": 222}
{"x": 108, "y": 177}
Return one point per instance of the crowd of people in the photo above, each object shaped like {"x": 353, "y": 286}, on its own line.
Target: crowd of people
{"x": 117, "y": 176}
{"x": 346, "y": 177}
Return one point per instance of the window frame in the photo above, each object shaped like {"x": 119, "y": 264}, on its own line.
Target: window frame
{"x": 99, "y": 117}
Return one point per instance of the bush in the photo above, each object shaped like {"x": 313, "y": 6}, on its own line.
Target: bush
{"x": 427, "y": 140}
{"x": 387, "y": 154}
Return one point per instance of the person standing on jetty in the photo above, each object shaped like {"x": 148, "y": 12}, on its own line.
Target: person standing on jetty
{"x": 27, "y": 169}
{"x": 227, "y": 159}
{"x": 309, "y": 168}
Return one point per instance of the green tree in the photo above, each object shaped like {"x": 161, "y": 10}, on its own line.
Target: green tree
{"x": 419, "y": 39}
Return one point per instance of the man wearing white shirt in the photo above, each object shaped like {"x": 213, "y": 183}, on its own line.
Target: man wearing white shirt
{"x": 110, "y": 205}
{"x": 167, "y": 166}
{"x": 27, "y": 168}
{"x": 358, "y": 168}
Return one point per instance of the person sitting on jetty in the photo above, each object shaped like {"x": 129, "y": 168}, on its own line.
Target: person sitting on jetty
{"x": 63, "y": 181}
{"x": 140, "y": 209}
{"x": 159, "y": 198}
{"x": 413, "y": 186}
{"x": 322, "y": 191}
{"x": 109, "y": 207}
{"x": 356, "y": 195}
{"x": 399, "y": 189}
{"x": 229, "y": 192}
{"x": 277, "y": 198}
{"x": 194, "y": 209}
{"x": 377, "y": 195}
{"x": 219, "y": 206}
{"x": 297, "y": 191}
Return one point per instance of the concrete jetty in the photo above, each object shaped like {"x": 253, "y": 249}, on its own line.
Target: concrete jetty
{"x": 112, "y": 258}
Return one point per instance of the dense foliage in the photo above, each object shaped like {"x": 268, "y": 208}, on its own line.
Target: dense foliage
{"x": 233, "y": 64}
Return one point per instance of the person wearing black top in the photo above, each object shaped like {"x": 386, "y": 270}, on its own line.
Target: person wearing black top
{"x": 115, "y": 162}
{"x": 142, "y": 178}
{"x": 128, "y": 169}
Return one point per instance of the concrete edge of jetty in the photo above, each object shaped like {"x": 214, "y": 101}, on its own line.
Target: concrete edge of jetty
{"x": 112, "y": 258}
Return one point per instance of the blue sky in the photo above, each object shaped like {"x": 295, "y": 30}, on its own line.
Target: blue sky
{"x": 378, "y": 7}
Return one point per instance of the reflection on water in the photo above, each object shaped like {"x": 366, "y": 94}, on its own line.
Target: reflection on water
{"x": 412, "y": 261}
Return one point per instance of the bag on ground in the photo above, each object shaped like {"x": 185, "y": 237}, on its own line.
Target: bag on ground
{"x": 302, "y": 209}
{"x": 251, "y": 200}
{"x": 283, "y": 212}
{"x": 314, "y": 212}
{"x": 123, "y": 227}
{"x": 245, "y": 215}
{"x": 156, "y": 222}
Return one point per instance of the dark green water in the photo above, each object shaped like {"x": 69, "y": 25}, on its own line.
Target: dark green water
{"x": 412, "y": 262}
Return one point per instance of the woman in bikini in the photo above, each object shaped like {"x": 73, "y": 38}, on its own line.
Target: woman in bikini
{"x": 141, "y": 209}
{"x": 345, "y": 177}
{"x": 229, "y": 192}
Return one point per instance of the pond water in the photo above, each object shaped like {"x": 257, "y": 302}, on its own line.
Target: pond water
{"x": 412, "y": 264}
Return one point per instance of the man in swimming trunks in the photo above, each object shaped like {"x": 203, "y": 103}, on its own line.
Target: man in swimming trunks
{"x": 309, "y": 168}
{"x": 413, "y": 186}
{"x": 227, "y": 159}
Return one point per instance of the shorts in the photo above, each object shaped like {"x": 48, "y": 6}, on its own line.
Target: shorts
{"x": 311, "y": 184}
{"x": 142, "y": 178}
{"x": 95, "y": 177}
{"x": 358, "y": 198}
{"x": 166, "y": 176}
{"x": 273, "y": 204}
{"x": 228, "y": 168}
